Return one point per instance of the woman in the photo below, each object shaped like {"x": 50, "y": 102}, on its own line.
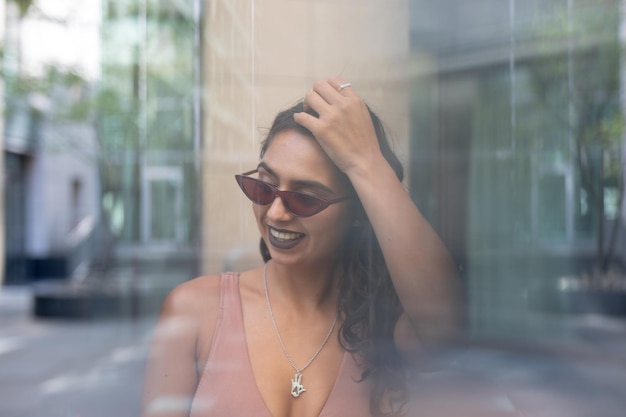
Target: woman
{"x": 355, "y": 286}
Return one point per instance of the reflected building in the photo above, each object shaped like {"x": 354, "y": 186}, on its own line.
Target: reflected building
{"x": 486, "y": 103}
{"x": 51, "y": 187}
{"x": 260, "y": 57}
{"x": 149, "y": 127}
{"x": 186, "y": 90}
{"x": 505, "y": 159}
{"x": 194, "y": 85}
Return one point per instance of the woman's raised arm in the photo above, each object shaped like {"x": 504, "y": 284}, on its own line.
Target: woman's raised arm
{"x": 421, "y": 268}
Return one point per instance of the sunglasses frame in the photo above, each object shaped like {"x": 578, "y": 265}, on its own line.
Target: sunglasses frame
{"x": 285, "y": 193}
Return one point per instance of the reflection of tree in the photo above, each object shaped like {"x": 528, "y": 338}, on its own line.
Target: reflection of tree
{"x": 146, "y": 102}
{"x": 579, "y": 86}
{"x": 142, "y": 109}
{"x": 64, "y": 98}
{"x": 23, "y": 6}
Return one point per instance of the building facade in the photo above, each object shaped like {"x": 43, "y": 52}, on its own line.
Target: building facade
{"x": 485, "y": 102}
{"x": 260, "y": 58}
{"x": 518, "y": 129}
{"x": 50, "y": 152}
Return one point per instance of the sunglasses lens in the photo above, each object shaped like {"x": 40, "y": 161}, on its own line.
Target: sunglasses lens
{"x": 304, "y": 205}
{"x": 300, "y": 204}
{"x": 257, "y": 191}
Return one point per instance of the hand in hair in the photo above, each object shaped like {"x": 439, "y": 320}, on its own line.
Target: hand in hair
{"x": 344, "y": 127}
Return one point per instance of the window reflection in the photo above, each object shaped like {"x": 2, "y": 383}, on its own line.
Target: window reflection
{"x": 118, "y": 159}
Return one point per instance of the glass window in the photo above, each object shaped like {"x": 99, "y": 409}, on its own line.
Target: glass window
{"x": 125, "y": 122}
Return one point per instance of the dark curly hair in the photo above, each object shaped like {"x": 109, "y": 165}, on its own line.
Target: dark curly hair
{"x": 367, "y": 298}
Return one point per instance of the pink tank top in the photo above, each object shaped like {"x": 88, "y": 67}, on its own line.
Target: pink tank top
{"x": 227, "y": 387}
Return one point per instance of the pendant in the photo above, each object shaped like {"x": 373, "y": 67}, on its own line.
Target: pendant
{"x": 296, "y": 386}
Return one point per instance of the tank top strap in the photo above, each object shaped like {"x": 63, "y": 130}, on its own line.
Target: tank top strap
{"x": 230, "y": 317}
{"x": 230, "y": 300}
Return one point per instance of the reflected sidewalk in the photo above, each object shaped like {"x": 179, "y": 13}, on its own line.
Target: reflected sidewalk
{"x": 91, "y": 366}
{"x": 95, "y": 368}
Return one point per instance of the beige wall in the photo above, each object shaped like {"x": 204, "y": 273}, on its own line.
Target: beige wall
{"x": 260, "y": 57}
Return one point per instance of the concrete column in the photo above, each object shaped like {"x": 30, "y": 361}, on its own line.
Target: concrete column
{"x": 260, "y": 57}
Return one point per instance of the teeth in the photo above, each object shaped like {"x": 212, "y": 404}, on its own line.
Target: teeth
{"x": 283, "y": 235}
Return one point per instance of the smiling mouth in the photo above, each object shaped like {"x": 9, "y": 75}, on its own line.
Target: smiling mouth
{"x": 284, "y": 236}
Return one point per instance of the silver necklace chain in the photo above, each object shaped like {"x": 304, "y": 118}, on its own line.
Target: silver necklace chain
{"x": 296, "y": 386}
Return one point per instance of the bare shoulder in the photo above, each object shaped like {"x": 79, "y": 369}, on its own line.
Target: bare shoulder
{"x": 196, "y": 297}
{"x": 187, "y": 319}
{"x": 189, "y": 314}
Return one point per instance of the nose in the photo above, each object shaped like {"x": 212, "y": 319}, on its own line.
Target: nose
{"x": 277, "y": 210}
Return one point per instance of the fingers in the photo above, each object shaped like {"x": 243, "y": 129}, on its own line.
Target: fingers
{"x": 314, "y": 101}
{"x": 334, "y": 90}
{"x": 343, "y": 124}
{"x": 306, "y": 120}
{"x": 327, "y": 92}
{"x": 342, "y": 87}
